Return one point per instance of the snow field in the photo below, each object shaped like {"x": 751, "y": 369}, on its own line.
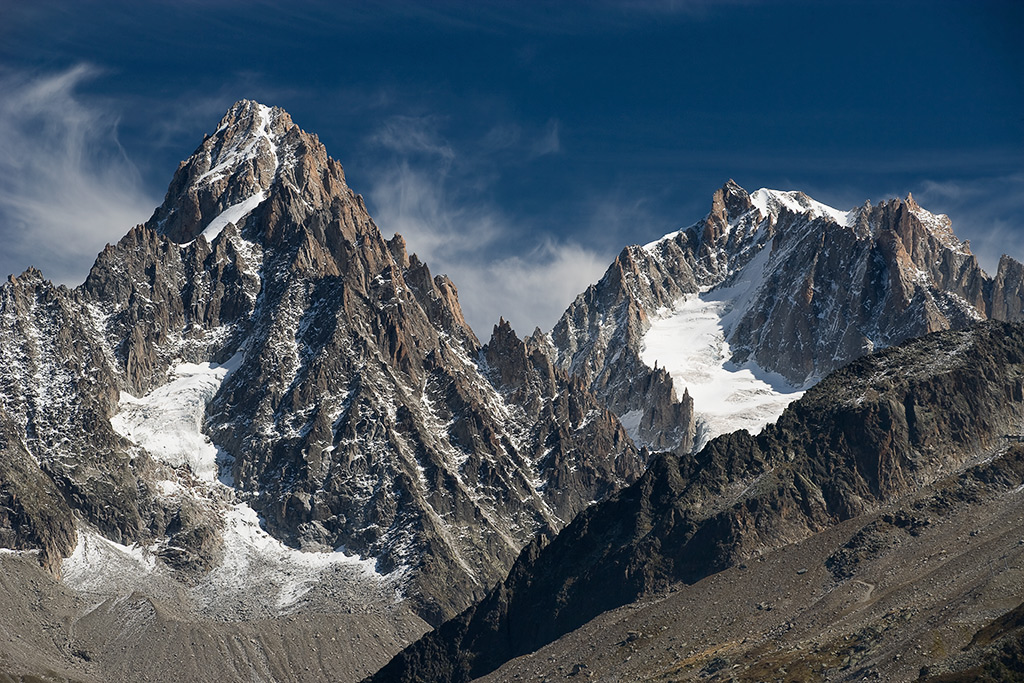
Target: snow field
{"x": 99, "y": 565}
{"x": 690, "y": 341}
{"x": 233, "y": 214}
{"x": 257, "y": 570}
{"x": 257, "y": 564}
{"x": 168, "y": 422}
{"x": 768, "y": 202}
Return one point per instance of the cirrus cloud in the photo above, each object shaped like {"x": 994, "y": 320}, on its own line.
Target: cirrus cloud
{"x": 435, "y": 195}
{"x": 66, "y": 186}
{"x": 985, "y": 211}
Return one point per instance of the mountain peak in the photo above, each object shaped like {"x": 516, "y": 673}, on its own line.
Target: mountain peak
{"x": 733, "y": 198}
{"x": 254, "y": 149}
{"x": 247, "y": 114}
{"x": 772, "y": 202}
{"x": 915, "y": 222}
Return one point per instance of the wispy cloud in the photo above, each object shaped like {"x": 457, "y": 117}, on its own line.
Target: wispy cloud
{"x": 415, "y": 202}
{"x": 529, "y": 291}
{"x": 548, "y": 143}
{"x": 66, "y": 187}
{"x": 435, "y": 194}
{"x": 986, "y": 211}
{"x": 413, "y": 135}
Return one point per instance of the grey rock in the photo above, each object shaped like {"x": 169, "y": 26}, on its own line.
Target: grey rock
{"x": 882, "y": 428}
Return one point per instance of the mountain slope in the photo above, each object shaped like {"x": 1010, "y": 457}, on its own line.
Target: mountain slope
{"x": 891, "y": 595}
{"x": 58, "y": 382}
{"x": 879, "y": 430}
{"x": 768, "y": 293}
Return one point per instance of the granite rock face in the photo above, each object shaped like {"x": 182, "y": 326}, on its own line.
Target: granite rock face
{"x": 884, "y": 427}
{"x": 253, "y": 148}
{"x": 834, "y": 291}
{"x": 356, "y": 409}
{"x": 802, "y": 289}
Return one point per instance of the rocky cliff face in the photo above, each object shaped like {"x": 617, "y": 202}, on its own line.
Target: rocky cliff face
{"x": 58, "y": 390}
{"x": 765, "y": 295}
{"x": 347, "y": 400}
{"x": 1007, "y": 298}
{"x": 834, "y": 290}
{"x": 882, "y": 428}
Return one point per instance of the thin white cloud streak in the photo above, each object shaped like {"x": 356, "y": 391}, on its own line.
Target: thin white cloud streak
{"x": 989, "y": 212}
{"x": 412, "y": 135}
{"x": 414, "y": 203}
{"x": 510, "y": 137}
{"x": 434, "y": 203}
{"x": 66, "y": 187}
{"x": 549, "y": 143}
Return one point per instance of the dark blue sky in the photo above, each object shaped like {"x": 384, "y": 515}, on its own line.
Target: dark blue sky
{"x": 518, "y": 146}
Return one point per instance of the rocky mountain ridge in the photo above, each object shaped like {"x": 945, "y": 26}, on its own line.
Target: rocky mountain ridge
{"x": 765, "y": 295}
{"x": 926, "y": 588}
{"x": 258, "y": 341}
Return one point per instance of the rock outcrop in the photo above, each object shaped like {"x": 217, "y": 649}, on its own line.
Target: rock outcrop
{"x": 58, "y": 390}
{"x": 1007, "y": 299}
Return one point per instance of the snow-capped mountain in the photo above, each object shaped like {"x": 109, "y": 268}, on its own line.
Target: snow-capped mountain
{"x": 256, "y": 371}
{"x": 735, "y": 316}
{"x": 257, "y": 407}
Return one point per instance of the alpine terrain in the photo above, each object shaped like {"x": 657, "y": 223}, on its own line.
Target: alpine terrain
{"x": 719, "y": 326}
{"x": 256, "y": 407}
{"x": 872, "y": 533}
{"x": 261, "y": 443}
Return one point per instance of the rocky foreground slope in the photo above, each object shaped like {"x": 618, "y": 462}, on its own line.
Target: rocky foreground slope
{"x": 925, "y": 588}
{"x": 719, "y": 326}
{"x": 878, "y": 433}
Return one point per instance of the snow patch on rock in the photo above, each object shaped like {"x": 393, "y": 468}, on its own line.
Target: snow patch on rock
{"x": 99, "y": 565}
{"x": 631, "y": 423}
{"x": 168, "y": 422}
{"x": 256, "y": 564}
{"x": 771, "y": 202}
{"x": 233, "y": 214}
